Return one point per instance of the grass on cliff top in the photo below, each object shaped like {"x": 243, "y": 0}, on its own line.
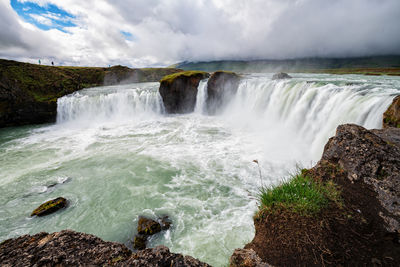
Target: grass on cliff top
{"x": 170, "y": 78}
{"x": 300, "y": 194}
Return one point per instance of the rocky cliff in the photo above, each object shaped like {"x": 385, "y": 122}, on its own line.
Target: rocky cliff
{"x": 361, "y": 227}
{"x": 28, "y": 92}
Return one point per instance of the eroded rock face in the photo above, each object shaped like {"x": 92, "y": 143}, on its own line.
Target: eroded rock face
{"x": 281, "y": 75}
{"x": 221, "y": 87}
{"x": 69, "y": 248}
{"x": 179, "y": 91}
{"x": 391, "y": 118}
{"x": 50, "y": 207}
{"x": 371, "y": 157}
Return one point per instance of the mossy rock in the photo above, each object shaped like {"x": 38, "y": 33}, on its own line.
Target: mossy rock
{"x": 50, "y": 207}
{"x": 148, "y": 226}
{"x": 391, "y": 117}
{"x": 139, "y": 242}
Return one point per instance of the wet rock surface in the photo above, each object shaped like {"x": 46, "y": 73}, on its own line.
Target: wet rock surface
{"x": 69, "y": 248}
{"x": 50, "y": 206}
{"x": 221, "y": 87}
{"x": 281, "y": 75}
{"x": 148, "y": 227}
{"x": 179, "y": 91}
{"x": 391, "y": 118}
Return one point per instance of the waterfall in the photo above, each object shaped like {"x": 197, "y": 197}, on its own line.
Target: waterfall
{"x": 201, "y": 97}
{"x": 306, "y": 112}
{"x": 111, "y": 103}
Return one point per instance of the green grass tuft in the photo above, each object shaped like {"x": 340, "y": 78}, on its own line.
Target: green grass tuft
{"x": 301, "y": 194}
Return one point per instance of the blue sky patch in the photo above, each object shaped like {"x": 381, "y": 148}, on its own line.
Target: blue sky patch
{"x": 44, "y": 17}
{"x": 129, "y": 36}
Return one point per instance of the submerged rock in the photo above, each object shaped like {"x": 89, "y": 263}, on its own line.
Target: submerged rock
{"x": 139, "y": 241}
{"x": 221, "y": 87}
{"x": 391, "y": 118}
{"x": 281, "y": 75}
{"x": 165, "y": 222}
{"x": 179, "y": 90}
{"x": 50, "y": 207}
{"x": 69, "y": 248}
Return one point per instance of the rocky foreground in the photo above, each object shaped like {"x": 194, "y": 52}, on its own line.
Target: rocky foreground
{"x": 69, "y": 248}
{"x": 361, "y": 229}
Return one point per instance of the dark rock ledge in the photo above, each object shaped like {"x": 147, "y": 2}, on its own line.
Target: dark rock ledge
{"x": 69, "y": 248}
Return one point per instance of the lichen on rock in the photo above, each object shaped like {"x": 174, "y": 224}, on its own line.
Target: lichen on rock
{"x": 50, "y": 206}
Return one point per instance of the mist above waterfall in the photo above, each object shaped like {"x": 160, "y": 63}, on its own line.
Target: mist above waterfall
{"x": 148, "y": 33}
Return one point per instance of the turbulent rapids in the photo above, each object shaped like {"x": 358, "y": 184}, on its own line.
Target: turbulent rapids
{"x": 116, "y": 154}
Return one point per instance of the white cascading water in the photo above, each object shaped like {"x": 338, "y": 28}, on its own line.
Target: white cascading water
{"x": 115, "y": 155}
{"x": 112, "y": 103}
{"x": 201, "y": 97}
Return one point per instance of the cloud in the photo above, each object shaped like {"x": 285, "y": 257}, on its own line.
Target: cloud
{"x": 156, "y": 32}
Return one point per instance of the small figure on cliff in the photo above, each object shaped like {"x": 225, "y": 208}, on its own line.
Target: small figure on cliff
{"x": 52, "y": 63}
{"x": 39, "y": 62}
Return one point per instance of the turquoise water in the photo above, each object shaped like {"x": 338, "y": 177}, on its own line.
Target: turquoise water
{"x": 115, "y": 155}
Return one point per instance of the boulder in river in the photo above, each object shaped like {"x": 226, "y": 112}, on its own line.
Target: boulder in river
{"x": 147, "y": 227}
{"x": 50, "y": 206}
{"x": 281, "y": 75}
{"x": 221, "y": 87}
{"x": 391, "y": 118}
{"x": 179, "y": 90}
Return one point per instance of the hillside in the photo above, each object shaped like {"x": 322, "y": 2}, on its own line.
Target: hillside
{"x": 362, "y": 65}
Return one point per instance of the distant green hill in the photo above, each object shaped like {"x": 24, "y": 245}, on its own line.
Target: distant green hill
{"x": 295, "y": 65}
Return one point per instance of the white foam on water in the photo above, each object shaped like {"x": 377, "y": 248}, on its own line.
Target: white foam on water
{"x": 125, "y": 157}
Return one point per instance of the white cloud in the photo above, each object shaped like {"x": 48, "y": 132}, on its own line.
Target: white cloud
{"x": 177, "y": 30}
{"x": 42, "y": 19}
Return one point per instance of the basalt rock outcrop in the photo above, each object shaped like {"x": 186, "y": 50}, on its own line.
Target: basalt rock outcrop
{"x": 179, "y": 91}
{"x": 391, "y": 118}
{"x": 69, "y": 248}
{"x": 221, "y": 87}
{"x": 360, "y": 229}
{"x": 29, "y": 92}
{"x": 281, "y": 75}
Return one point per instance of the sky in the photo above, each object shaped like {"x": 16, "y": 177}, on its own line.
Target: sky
{"x": 145, "y": 33}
